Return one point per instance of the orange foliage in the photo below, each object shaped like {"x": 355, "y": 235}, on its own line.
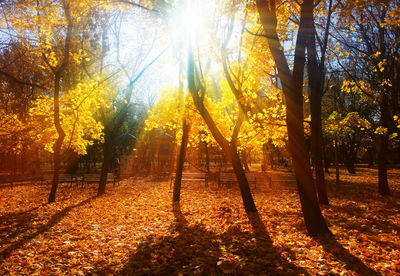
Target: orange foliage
{"x": 132, "y": 229}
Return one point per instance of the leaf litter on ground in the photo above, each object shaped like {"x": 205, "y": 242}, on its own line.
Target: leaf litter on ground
{"x": 133, "y": 230}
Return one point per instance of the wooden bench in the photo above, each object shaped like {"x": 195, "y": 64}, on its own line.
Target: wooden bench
{"x": 228, "y": 178}
{"x": 284, "y": 181}
{"x": 62, "y": 178}
{"x": 191, "y": 176}
{"x": 95, "y": 178}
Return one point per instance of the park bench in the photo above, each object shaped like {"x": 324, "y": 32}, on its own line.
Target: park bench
{"x": 191, "y": 176}
{"x": 95, "y": 178}
{"x": 62, "y": 178}
{"x": 229, "y": 178}
{"x": 287, "y": 182}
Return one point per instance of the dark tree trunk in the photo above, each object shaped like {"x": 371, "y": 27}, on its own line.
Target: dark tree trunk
{"x": 370, "y": 156}
{"x": 57, "y": 79}
{"x": 245, "y": 162}
{"x": 349, "y": 161}
{"x": 314, "y": 220}
{"x": 327, "y": 160}
{"x": 317, "y": 149}
{"x": 316, "y": 75}
{"x": 111, "y": 131}
{"x": 229, "y": 149}
{"x": 180, "y": 162}
{"x": 337, "y": 176}
{"x": 59, "y": 141}
{"x": 107, "y": 148}
{"x": 292, "y": 84}
{"x": 383, "y": 148}
{"x": 207, "y": 158}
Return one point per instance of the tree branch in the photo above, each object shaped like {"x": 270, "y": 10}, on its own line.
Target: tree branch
{"x": 21, "y": 81}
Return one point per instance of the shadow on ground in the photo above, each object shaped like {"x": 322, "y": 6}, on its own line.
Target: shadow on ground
{"x": 23, "y": 228}
{"x": 193, "y": 249}
{"x": 352, "y": 263}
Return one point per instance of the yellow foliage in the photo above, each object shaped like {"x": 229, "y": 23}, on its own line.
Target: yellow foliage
{"x": 77, "y": 113}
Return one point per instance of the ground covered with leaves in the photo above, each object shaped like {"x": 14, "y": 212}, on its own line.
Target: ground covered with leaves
{"x": 133, "y": 230}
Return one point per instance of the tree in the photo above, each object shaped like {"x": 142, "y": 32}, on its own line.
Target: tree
{"x": 292, "y": 84}
{"x": 316, "y": 78}
{"x": 114, "y": 121}
{"x": 197, "y": 91}
{"x": 56, "y": 33}
{"x": 368, "y": 34}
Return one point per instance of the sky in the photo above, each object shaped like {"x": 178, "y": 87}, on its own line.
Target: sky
{"x": 143, "y": 38}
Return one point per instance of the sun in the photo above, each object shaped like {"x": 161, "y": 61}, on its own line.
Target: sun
{"x": 191, "y": 19}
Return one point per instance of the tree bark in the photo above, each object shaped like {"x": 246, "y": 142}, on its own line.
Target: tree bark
{"x": 57, "y": 79}
{"x": 383, "y": 148}
{"x": 59, "y": 141}
{"x": 336, "y": 164}
{"x": 107, "y": 158}
{"x": 316, "y": 74}
{"x": 207, "y": 158}
{"x": 229, "y": 149}
{"x": 180, "y": 162}
{"x": 292, "y": 84}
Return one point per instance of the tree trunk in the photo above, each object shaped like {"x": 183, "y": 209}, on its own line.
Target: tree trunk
{"x": 107, "y": 148}
{"x": 232, "y": 155}
{"x": 292, "y": 84}
{"x": 349, "y": 160}
{"x": 60, "y": 138}
{"x": 336, "y": 164}
{"x": 370, "y": 156}
{"x": 383, "y": 148}
{"x": 245, "y": 162}
{"x": 317, "y": 149}
{"x": 207, "y": 158}
{"x": 180, "y": 162}
{"x": 327, "y": 159}
{"x": 229, "y": 149}
{"x": 313, "y": 218}
{"x": 316, "y": 74}
{"x": 57, "y": 79}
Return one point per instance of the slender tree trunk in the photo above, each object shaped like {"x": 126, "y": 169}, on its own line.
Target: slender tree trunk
{"x": 245, "y": 162}
{"x": 107, "y": 148}
{"x": 370, "y": 156}
{"x": 59, "y": 141}
{"x": 349, "y": 163}
{"x": 316, "y": 74}
{"x": 207, "y": 158}
{"x": 336, "y": 164}
{"x": 317, "y": 149}
{"x": 327, "y": 159}
{"x": 14, "y": 169}
{"x": 179, "y": 163}
{"x": 383, "y": 148}
{"x": 57, "y": 79}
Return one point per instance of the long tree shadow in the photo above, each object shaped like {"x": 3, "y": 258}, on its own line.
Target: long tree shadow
{"x": 28, "y": 225}
{"x": 269, "y": 259}
{"x": 192, "y": 249}
{"x": 14, "y": 224}
{"x": 331, "y": 245}
{"x": 188, "y": 250}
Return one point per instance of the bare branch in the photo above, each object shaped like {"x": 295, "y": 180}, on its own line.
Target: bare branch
{"x": 21, "y": 81}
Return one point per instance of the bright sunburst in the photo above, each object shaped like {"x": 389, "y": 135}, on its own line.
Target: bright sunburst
{"x": 191, "y": 19}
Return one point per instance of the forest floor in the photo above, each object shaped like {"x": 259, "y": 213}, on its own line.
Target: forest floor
{"x": 133, "y": 230}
